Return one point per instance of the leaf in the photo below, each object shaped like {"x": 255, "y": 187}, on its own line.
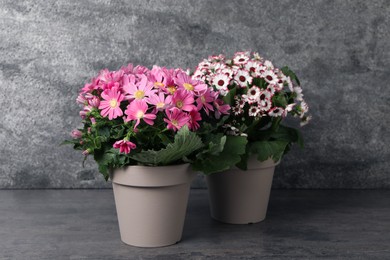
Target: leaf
{"x": 289, "y": 73}
{"x": 69, "y": 142}
{"x": 288, "y": 134}
{"x": 268, "y": 149}
{"x": 185, "y": 143}
{"x": 230, "y": 155}
{"x": 229, "y": 98}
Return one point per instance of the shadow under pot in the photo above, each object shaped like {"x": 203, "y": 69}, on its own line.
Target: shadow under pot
{"x": 241, "y": 197}
{"x": 151, "y": 203}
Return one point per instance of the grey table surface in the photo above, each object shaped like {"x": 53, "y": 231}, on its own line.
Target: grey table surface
{"x": 301, "y": 224}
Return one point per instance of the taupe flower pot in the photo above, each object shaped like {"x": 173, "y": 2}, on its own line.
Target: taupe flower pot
{"x": 241, "y": 197}
{"x": 151, "y": 203}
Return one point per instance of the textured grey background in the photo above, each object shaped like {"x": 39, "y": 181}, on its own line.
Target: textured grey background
{"x": 340, "y": 50}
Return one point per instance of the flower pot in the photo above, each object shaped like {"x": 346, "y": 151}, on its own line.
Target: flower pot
{"x": 151, "y": 203}
{"x": 241, "y": 197}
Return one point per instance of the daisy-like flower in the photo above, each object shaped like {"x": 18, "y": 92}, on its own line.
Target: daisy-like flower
{"x": 253, "y": 94}
{"x": 289, "y": 84}
{"x": 203, "y": 101}
{"x": 268, "y": 64}
{"x": 257, "y": 56}
{"x": 160, "y": 101}
{"x": 124, "y": 146}
{"x": 110, "y": 106}
{"x": 81, "y": 99}
{"x": 221, "y": 81}
{"x": 237, "y": 110}
{"x": 304, "y": 107}
{"x": 176, "y": 118}
{"x": 136, "y": 110}
{"x": 243, "y": 78}
{"x": 140, "y": 90}
{"x": 228, "y": 72}
{"x": 276, "y": 111}
{"x": 253, "y": 67}
{"x": 183, "y": 100}
{"x": 94, "y": 102}
{"x": 241, "y": 58}
{"x": 305, "y": 120}
{"x": 240, "y": 103}
{"x": 264, "y": 95}
{"x": 194, "y": 117}
{"x": 265, "y": 105}
{"x": 185, "y": 82}
{"x": 270, "y": 77}
{"x": 254, "y": 111}
{"x": 204, "y": 65}
{"x": 271, "y": 89}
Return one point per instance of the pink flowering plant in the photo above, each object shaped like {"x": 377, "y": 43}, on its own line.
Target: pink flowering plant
{"x": 261, "y": 97}
{"x": 151, "y": 117}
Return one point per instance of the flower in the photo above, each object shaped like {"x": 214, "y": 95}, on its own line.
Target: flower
{"x": 94, "y": 102}
{"x": 253, "y": 94}
{"x": 204, "y": 101}
{"x": 220, "y": 108}
{"x": 110, "y": 105}
{"x": 243, "y": 78}
{"x": 185, "y": 82}
{"x": 221, "y": 81}
{"x": 136, "y": 110}
{"x": 270, "y": 77}
{"x": 193, "y": 120}
{"x": 183, "y": 100}
{"x": 241, "y": 58}
{"x": 139, "y": 90}
{"x": 76, "y": 134}
{"x": 124, "y": 146}
{"x": 160, "y": 101}
{"x": 276, "y": 111}
{"x": 176, "y": 118}
{"x": 254, "y": 111}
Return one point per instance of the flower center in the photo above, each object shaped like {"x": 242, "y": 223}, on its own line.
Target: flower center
{"x": 171, "y": 89}
{"x": 242, "y": 78}
{"x": 158, "y": 84}
{"x": 174, "y": 122}
{"x": 188, "y": 86}
{"x": 140, "y": 114}
{"x": 160, "y": 104}
{"x": 269, "y": 77}
{"x": 203, "y": 99}
{"x": 221, "y": 82}
{"x": 179, "y": 104}
{"x": 113, "y": 103}
{"x": 139, "y": 94}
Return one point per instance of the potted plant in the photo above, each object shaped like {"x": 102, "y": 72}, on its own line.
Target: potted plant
{"x": 261, "y": 96}
{"x": 144, "y": 128}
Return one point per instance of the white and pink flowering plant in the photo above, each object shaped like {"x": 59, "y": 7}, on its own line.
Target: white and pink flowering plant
{"x": 138, "y": 116}
{"x": 261, "y": 96}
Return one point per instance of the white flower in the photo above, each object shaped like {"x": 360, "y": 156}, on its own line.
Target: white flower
{"x": 264, "y": 96}
{"x": 241, "y": 58}
{"x": 240, "y": 103}
{"x": 205, "y": 64}
{"x": 237, "y": 110}
{"x": 298, "y": 92}
{"x": 270, "y": 77}
{"x": 256, "y": 56}
{"x": 271, "y": 88}
{"x": 290, "y": 84}
{"x": 199, "y": 75}
{"x": 217, "y": 67}
{"x": 253, "y": 94}
{"x": 228, "y": 72}
{"x": 223, "y": 91}
{"x": 253, "y": 68}
{"x": 254, "y": 111}
{"x": 243, "y": 78}
{"x": 221, "y": 81}
{"x": 268, "y": 64}
{"x": 276, "y": 111}
{"x": 265, "y": 105}
{"x": 288, "y": 108}
{"x": 304, "y": 107}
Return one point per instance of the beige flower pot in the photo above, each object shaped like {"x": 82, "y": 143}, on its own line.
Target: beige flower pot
{"x": 241, "y": 197}
{"x": 151, "y": 203}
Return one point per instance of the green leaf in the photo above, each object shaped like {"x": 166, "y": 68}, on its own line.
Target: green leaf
{"x": 289, "y": 73}
{"x": 185, "y": 143}
{"x": 69, "y": 142}
{"x": 230, "y": 155}
{"x": 229, "y": 98}
{"x": 268, "y": 149}
{"x": 288, "y": 134}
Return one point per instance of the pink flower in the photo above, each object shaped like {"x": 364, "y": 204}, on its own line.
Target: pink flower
{"x": 124, "y": 146}
{"x": 194, "y": 117}
{"x": 183, "y": 100}
{"x": 83, "y": 113}
{"x": 110, "y": 104}
{"x": 81, "y": 99}
{"x": 86, "y": 152}
{"x": 137, "y": 110}
{"x": 76, "y": 134}
{"x": 160, "y": 101}
{"x": 221, "y": 108}
{"x": 176, "y": 118}
{"x": 139, "y": 90}
{"x": 94, "y": 102}
{"x": 204, "y": 100}
{"x": 187, "y": 83}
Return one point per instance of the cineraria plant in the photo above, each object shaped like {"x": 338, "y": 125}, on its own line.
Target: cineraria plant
{"x": 261, "y": 96}
{"x": 137, "y": 116}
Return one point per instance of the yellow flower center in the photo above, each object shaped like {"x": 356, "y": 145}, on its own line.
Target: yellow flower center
{"x": 158, "y": 84}
{"x": 140, "y": 114}
{"x": 160, "y": 105}
{"x": 179, "y": 104}
{"x": 113, "y": 103}
{"x": 188, "y": 86}
{"x": 175, "y": 123}
{"x": 139, "y": 94}
{"x": 171, "y": 89}
{"x": 203, "y": 99}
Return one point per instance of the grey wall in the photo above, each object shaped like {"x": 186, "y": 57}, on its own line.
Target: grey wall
{"x": 340, "y": 50}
